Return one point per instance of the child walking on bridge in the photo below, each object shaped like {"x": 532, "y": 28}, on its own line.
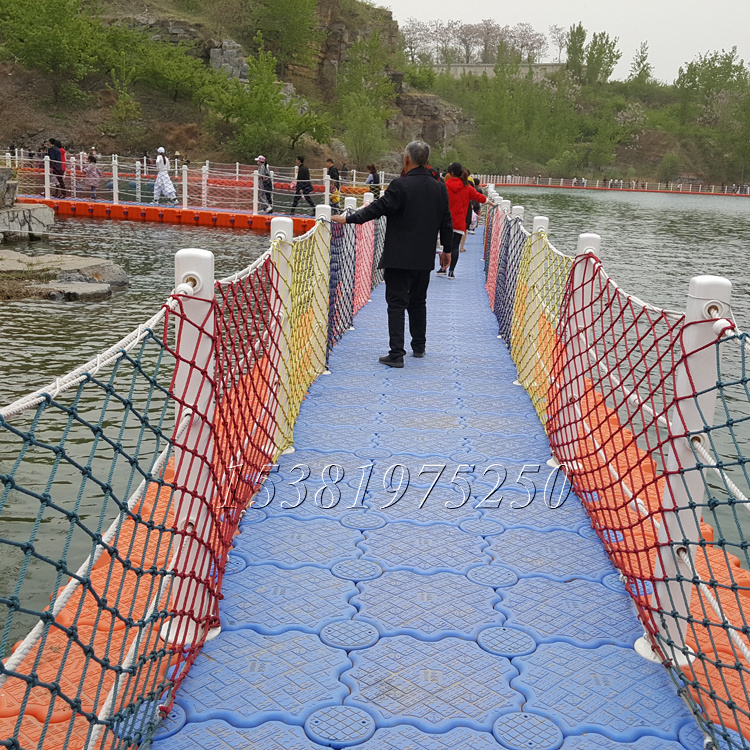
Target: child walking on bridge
{"x": 163, "y": 185}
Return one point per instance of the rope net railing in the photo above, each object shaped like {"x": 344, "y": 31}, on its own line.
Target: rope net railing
{"x": 648, "y": 412}
{"x": 209, "y": 186}
{"x": 123, "y": 484}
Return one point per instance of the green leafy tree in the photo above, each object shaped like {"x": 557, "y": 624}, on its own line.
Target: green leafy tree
{"x": 54, "y": 36}
{"x": 602, "y": 56}
{"x": 258, "y": 115}
{"x": 576, "y": 50}
{"x": 701, "y": 82}
{"x": 668, "y": 168}
{"x": 365, "y": 132}
{"x": 289, "y": 28}
{"x": 641, "y": 70}
{"x": 366, "y": 72}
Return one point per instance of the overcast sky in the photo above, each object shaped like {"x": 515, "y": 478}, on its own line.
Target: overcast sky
{"x": 676, "y": 30}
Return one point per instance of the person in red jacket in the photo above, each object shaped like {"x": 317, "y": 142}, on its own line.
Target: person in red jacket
{"x": 460, "y": 194}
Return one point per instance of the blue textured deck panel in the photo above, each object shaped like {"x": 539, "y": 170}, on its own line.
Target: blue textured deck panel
{"x": 365, "y": 607}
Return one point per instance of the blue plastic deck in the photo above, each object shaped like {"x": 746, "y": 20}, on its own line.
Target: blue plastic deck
{"x": 478, "y": 615}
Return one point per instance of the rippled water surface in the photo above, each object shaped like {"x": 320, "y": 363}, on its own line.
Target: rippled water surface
{"x": 41, "y": 340}
{"x": 652, "y": 243}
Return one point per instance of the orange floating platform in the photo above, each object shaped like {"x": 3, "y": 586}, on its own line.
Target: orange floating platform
{"x": 204, "y": 217}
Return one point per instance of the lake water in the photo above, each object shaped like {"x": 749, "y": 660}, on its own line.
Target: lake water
{"x": 652, "y": 243}
{"x": 651, "y": 246}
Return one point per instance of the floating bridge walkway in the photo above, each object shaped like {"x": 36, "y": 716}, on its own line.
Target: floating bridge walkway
{"x": 254, "y": 535}
{"x": 469, "y": 620}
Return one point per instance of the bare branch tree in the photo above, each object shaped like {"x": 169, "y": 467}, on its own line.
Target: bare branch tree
{"x": 470, "y": 38}
{"x": 559, "y": 37}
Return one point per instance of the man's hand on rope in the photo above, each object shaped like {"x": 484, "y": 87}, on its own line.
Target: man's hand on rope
{"x": 338, "y": 219}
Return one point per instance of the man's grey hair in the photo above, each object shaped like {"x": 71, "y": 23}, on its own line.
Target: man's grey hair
{"x": 418, "y": 152}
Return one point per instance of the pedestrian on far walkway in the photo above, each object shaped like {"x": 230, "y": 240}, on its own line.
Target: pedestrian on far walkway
{"x": 56, "y": 167}
{"x": 163, "y": 185}
{"x": 304, "y": 186}
{"x": 266, "y": 185}
{"x": 93, "y": 175}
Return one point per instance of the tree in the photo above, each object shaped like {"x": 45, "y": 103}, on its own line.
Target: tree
{"x": 530, "y": 44}
{"x": 560, "y": 39}
{"x": 641, "y": 70}
{"x": 602, "y": 56}
{"x": 489, "y": 37}
{"x": 416, "y": 39}
{"x": 668, "y": 168}
{"x": 365, "y": 73}
{"x": 66, "y": 46}
{"x": 445, "y": 34}
{"x": 576, "y": 50}
{"x": 259, "y": 116}
{"x": 468, "y": 41}
{"x": 289, "y": 28}
{"x": 365, "y": 133}
{"x": 703, "y": 81}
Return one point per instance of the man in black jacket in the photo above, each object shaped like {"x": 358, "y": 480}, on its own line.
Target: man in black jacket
{"x": 417, "y": 209}
{"x": 304, "y": 185}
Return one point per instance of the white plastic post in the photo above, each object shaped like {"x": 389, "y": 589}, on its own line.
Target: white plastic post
{"x": 204, "y": 185}
{"x": 137, "y": 182}
{"x": 194, "y": 393}
{"x": 354, "y": 176}
{"x": 115, "y": 180}
{"x": 540, "y": 224}
{"x": 176, "y": 165}
{"x": 73, "y": 179}
{"x": 145, "y": 165}
{"x": 505, "y": 206}
{"x": 282, "y": 231}
{"x": 326, "y": 188}
{"x": 236, "y": 171}
{"x": 184, "y": 186}
{"x": 368, "y": 198}
{"x": 256, "y": 189}
{"x": 518, "y": 211}
{"x": 8, "y": 160}
{"x": 679, "y": 535}
{"x": 17, "y": 158}
{"x": 350, "y": 202}
{"x": 46, "y": 178}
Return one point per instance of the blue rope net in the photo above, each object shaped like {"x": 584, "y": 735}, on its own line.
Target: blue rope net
{"x": 90, "y": 492}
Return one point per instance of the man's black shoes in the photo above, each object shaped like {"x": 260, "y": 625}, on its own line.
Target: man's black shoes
{"x": 418, "y": 355}
{"x": 391, "y": 361}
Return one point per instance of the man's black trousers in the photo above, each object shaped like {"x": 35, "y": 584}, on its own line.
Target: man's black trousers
{"x": 406, "y": 290}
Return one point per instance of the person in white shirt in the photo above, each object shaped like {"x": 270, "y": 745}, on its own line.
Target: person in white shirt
{"x": 163, "y": 185}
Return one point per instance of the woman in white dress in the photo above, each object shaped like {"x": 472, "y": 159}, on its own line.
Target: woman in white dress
{"x": 163, "y": 185}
